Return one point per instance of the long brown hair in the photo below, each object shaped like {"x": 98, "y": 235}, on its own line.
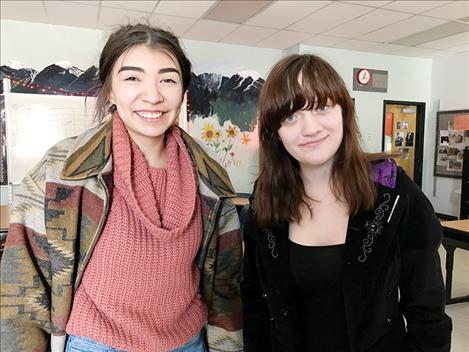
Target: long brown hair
{"x": 279, "y": 189}
{"x": 123, "y": 39}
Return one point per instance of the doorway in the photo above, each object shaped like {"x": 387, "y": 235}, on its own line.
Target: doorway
{"x": 403, "y": 131}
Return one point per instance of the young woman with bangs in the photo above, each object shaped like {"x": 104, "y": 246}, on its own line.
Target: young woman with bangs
{"x": 340, "y": 245}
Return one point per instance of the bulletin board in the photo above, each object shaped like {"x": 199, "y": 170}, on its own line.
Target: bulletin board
{"x": 35, "y": 122}
{"x": 452, "y": 136}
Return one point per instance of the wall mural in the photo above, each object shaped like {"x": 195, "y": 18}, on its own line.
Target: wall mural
{"x": 221, "y": 109}
{"x": 61, "y": 78}
{"x": 222, "y": 116}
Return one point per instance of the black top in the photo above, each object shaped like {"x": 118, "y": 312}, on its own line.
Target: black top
{"x": 391, "y": 272}
{"x": 317, "y": 280}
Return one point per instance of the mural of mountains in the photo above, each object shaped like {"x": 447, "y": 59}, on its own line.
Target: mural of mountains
{"x": 230, "y": 98}
{"x": 17, "y": 72}
{"x": 60, "y": 77}
{"x": 86, "y": 81}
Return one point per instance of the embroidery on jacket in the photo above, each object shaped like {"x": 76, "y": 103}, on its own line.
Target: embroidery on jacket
{"x": 374, "y": 228}
{"x": 271, "y": 245}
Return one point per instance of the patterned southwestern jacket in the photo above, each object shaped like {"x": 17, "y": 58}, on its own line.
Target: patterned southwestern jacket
{"x": 56, "y": 221}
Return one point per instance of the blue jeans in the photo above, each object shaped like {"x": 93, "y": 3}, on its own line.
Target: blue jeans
{"x": 83, "y": 344}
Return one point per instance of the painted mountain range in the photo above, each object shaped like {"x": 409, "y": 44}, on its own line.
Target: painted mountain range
{"x": 229, "y": 98}
{"x": 60, "y": 77}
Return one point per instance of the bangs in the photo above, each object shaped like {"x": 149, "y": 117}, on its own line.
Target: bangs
{"x": 305, "y": 90}
{"x": 302, "y": 85}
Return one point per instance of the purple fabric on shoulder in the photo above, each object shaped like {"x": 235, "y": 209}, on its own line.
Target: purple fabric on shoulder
{"x": 385, "y": 172}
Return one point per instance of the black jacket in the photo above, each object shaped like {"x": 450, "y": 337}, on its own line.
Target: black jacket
{"x": 391, "y": 272}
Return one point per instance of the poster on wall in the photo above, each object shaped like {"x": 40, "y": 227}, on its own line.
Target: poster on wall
{"x": 452, "y": 136}
{"x": 222, "y": 118}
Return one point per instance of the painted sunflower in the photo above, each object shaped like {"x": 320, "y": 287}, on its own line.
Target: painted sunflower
{"x": 208, "y": 132}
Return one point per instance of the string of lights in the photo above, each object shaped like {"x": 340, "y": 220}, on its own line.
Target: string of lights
{"x": 61, "y": 91}
{"x": 42, "y": 89}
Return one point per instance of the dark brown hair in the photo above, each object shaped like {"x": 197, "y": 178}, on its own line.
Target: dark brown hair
{"x": 279, "y": 189}
{"x": 123, "y": 39}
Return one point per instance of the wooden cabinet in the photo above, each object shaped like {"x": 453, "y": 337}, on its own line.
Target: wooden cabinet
{"x": 464, "y": 213}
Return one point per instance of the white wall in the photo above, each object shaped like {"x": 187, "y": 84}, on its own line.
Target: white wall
{"x": 229, "y": 59}
{"x": 449, "y": 90}
{"x": 38, "y": 45}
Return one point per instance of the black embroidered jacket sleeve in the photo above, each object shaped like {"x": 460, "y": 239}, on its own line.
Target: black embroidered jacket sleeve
{"x": 256, "y": 318}
{"x": 421, "y": 283}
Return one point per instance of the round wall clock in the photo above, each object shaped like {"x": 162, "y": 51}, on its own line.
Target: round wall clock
{"x": 363, "y": 76}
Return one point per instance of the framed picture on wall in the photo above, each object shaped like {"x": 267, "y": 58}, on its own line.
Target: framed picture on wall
{"x": 452, "y": 136}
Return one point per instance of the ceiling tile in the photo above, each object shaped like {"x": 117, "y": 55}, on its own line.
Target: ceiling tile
{"x": 364, "y": 22}
{"x": 29, "y": 11}
{"x": 72, "y": 14}
{"x": 451, "y": 11}
{"x": 414, "y": 6}
{"x": 283, "y": 13}
{"x": 109, "y": 18}
{"x": 323, "y": 40}
{"x": 91, "y": 2}
{"x": 333, "y": 15}
{"x": 448, "y": 42}
{"x": 442, "y": 31}
{"x": 142, "y": 6}
{"x": 177, "y": 25}
{"x": 284, "y": 39}
{"x": 235, "y": 11}
{"x": 354, "y": 44}
{"x": 211, "y": 31}
{"x": 368, "y": 23}
{"x": 460, "y": 48}
{"x": 369, "y": 3}
{"x": 191, "y": 9}
{"x": 409, "y": 26}
{"x": 417, "y": 52}
{"x": 248, "y": 35}
{"x": 384, "y": 48}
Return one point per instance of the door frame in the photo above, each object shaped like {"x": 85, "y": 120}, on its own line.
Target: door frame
{"x": 419, "y": 134}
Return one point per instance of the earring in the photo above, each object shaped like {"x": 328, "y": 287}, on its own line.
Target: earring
{"x": 111, "y": 107}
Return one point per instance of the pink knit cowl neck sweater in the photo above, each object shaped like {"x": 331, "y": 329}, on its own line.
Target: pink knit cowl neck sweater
{"x": 140, "y": 290}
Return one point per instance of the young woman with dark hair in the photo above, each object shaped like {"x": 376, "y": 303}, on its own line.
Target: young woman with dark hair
{"x": 341, "y": 247}
{"x": 125, "y": 237}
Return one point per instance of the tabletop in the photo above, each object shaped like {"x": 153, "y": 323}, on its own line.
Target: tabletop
{"x": 461, "y": 225}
